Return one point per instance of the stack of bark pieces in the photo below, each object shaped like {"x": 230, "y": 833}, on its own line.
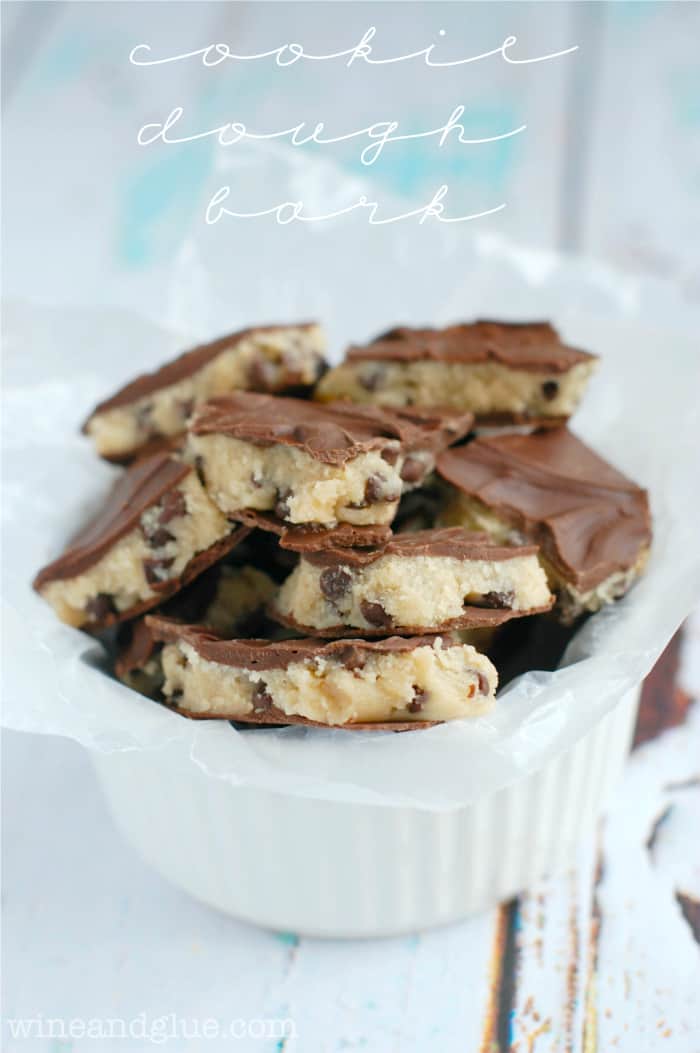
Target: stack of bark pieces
{"x": 288, "y": 545}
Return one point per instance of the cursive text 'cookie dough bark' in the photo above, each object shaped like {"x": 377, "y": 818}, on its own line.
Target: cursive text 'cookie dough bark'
{"x": 501, "y": 372}
{"x": 591, "y": 522}
{"x": 156, "y": 406}
{"x": 314, "y": 465}
{"x": 157, "y": 531}
{"x": 344, "y": 682}
{"x": 428, "y": 581}
{"x": 226, "y": 599}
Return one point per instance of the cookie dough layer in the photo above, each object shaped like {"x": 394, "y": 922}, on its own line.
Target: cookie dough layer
{"x": 297, "y": 487}
{"x": 226, "y": 599}
{"x": 146, "y": 679}
{"x": 157, "y": 530}
{"x": 131, "y": 571}
{"x": 459, "y": 510}
{"x": 497, "y": 370}
{"x": 488, "y": 390}
{"x": 571, "y": 599}
{"x": 157, "y": 406}
{"x": 572, "y": 602}
{"x": 311, "y": 464}
{"x": 402, "y": 591}
{"x": 427, "y": 679}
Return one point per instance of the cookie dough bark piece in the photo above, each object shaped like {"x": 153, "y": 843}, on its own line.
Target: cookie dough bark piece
{"x": 225, "y": 599}
{"x": 592, "y": 523}
{"x": 313, "y": 465}
{"x": 428, "y": 581}
{"x": 156, "y": 406}
{"x": 157, "y": 531}
{"x": 501, "y": 372}
{"x": 344, "y": 682}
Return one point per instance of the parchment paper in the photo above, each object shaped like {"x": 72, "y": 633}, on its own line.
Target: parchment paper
{"x": 641, "y": 412}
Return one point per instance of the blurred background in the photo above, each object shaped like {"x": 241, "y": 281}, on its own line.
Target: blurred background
{"x": 608, "y": 167}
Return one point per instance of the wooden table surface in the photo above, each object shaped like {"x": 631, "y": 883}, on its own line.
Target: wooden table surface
{"x": 605, "y": 958}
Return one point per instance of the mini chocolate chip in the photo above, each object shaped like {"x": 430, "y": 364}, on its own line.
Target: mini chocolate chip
{"x": 372, "y": 378}
{"x": 321, "y": 367}
{"x": 334, "y": 582}
{"x": 550, "y": 389}
{"x": 144, "y": 418}
{"x": 420, "y": 697}
{"x": 172, "y": 505}
{"x": 186, "y": 406}
{"x": 159, "y": 537}
{"x": 351, "y": 657}
{"x": 492, "y": 600}
{"x": 379, "y": 489}
{"x": 262, "y": 374}
{"x": 175, "y": 697}
{"x": 99, "y": 607}
{"x": 262, "y": 699}
{"x": 375, "y": 614}
{"x": 413, "y": 469}
{"x": 390, "y": 454}
{"x": 154, "y": 569}
{"x": 282, "y": 505}
{"x": 484, "y": 686}
{"x": 199, "y": 468}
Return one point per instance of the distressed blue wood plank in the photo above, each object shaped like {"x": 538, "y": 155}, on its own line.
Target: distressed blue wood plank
{"x": 641, "y": 208}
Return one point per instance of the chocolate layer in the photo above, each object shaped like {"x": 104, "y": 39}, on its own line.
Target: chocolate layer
{"x": 158, "y": 444}
{"x": 142, "y": 485}
{"x": 185, "y": 365}
{"x": 136, "y": 647}
{"x": 425, "y": 429}
{"x": 333, "y": 433}
{"x": 311, "y": 538}
{"x": 450, "y": 542}
{"x": 589, "y": 519}
{"x": 472, "y": 618}
{"x": 530, "y": 346}
{"x": 268, "y": 654}
{"x": 274, "y": 717}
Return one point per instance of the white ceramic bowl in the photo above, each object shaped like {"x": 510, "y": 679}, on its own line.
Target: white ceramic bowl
{"x": 345, "y": 870}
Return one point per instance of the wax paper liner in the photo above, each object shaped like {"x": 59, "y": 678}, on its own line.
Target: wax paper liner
{"x": 640, "y": 411}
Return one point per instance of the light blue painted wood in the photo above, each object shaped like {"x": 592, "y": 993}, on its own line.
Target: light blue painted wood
{"x": 642, "y": 174}
{"x": 73, "y": 166}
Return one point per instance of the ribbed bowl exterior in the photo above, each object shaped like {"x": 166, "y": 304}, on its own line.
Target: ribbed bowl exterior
{"x": 341, "y": 870}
